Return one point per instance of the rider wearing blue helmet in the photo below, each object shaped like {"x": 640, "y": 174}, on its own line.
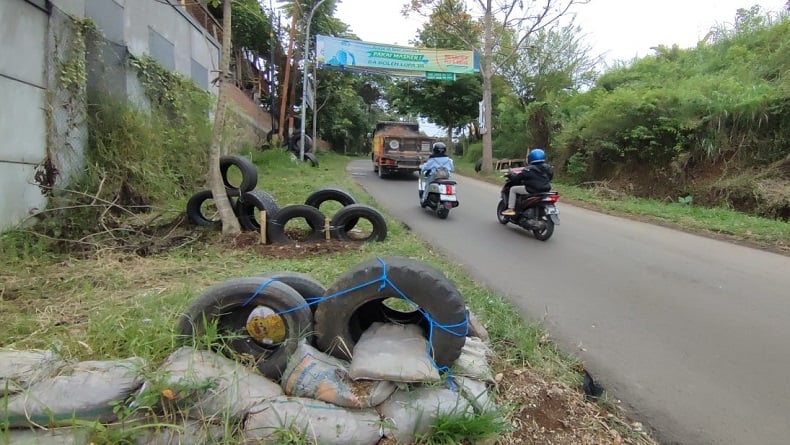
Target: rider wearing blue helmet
{"x": 534, "y": 178}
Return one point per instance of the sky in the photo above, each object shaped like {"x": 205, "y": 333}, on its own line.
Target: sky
{"x": 616, "y": 29}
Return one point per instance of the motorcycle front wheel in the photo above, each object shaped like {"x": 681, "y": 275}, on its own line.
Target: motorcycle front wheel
{"x": 499, "y": 209}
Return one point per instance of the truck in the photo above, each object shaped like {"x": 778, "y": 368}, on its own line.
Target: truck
{"x": 398, "y": 147}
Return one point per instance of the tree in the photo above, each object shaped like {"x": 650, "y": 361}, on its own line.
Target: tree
{"x": 448, "y": 104}
{"x": 230, "y": 224}
{"x": 522, "y": 18}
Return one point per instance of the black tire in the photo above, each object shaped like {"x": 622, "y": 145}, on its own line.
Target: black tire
{"x": 311, "y": 158}
{"x": 341, "y": 221}
{"x": 479, "y": 165}
{"x": 230, "y": 304}
{"x": 314, "y": 218}
{"x": 262, "y": 201}
{"x": 249, "y": 173}
{"x": 308, "y": 287}
{"x": 500, "y": 207}
{"x": 544, "y": 234}
{"x": 443, "y": 213}
{"x": 358, "y": 302}
{"x": 341, "y": 196}
{"x": 195, "y": 207}
{"x": 293, "y": 144}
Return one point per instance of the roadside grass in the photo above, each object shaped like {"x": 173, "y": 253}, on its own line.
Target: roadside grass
{"x": 718, "y": 222}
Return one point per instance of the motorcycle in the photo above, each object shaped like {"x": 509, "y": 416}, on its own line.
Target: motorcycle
{"x": 536, "y": 212}
{"x": 437, "y": 192}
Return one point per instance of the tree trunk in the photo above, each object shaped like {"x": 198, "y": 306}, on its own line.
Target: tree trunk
{"x": 230, "y": 224}
{"x": 450, "y": 145}
{"x": 488, "y": 60}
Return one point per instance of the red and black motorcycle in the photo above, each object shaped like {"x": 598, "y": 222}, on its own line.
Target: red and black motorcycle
{"x": 536, "y": 212}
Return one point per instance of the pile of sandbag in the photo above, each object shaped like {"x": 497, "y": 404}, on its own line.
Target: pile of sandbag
{"x": 334, "y": 365}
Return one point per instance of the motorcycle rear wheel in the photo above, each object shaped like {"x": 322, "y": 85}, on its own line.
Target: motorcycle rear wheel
{"x": 545, "y": 234}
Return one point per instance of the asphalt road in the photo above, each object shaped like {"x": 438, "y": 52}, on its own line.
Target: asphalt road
{"x": 692, "y": 334}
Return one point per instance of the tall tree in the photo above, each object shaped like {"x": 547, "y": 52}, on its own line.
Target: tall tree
{"x": 448, "y": 104}
{"x": 230, "y": 224}
{"x": 521, "y": 17}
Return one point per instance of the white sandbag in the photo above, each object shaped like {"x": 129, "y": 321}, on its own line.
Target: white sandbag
{"x": 18, "y": 369}
{"x": 398, "y": 353}
{"x": 53, "y": 436}
{"x": 316, "y": 375}
{"x": 476, "y": 392}
{"x": 192, "y": 432}
{"x": 411, "y": 413}
{"x": 473, "y": 361}
{"x": 206, "y": 385}
{"x": 315, "y": 421}
{"x": 85, "y": 391}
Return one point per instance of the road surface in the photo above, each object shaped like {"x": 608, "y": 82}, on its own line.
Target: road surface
{"x": 691, "y": 333}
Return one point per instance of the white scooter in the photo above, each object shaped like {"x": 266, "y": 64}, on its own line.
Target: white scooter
{"x": 437, "y": 192}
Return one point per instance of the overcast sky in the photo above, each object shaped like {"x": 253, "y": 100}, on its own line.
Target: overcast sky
{"x": 620, "y": 29}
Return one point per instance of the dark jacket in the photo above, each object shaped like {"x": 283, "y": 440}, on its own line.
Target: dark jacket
{"x": 535, "y": 178}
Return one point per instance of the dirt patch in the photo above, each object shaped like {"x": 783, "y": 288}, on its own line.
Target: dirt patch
{"x": 546, "y": 412}
{"x": 296, "y": 249}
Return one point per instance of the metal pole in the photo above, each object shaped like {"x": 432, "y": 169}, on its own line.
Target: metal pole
{"x": 304, "y": 77}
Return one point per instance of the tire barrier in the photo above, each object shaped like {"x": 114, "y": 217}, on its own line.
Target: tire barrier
{"x": 249, "y": 173}
{"x": 257, "y": 317}
{"x": 355, "y": 301}
{"x": 293, "y": 143}
{"x": 245, "y": 200}
{"x": 195, "y": 212}
{"x": 308, "y": 287}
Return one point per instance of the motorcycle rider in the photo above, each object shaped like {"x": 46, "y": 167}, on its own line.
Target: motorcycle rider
{"x": 534, "y": 178}
{"x": 438, "y": 158}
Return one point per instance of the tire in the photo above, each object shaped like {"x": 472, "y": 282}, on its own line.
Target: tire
{"x": 308, "y": 287}
{"x": 264, "y": 202}
{"x": 339, "y": 225}
{"x": 249, "y": 173}
{"x": 545, "y": 234}
{"x": 195, "y": 212}
{"x": 230, "y": 304}
{"x": 315, "y": 220}
{"x": 479, "y": 166}
{"x": 443, "y": 213}
{"x": 500, "y": 207}
{"x": 340, "y": 321}
{"x": 341, "y": 196}
{"x": 310, "y": 157}
{"x": 294, "y": 143}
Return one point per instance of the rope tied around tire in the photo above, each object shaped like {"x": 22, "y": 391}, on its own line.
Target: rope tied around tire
{"x": 459, "y": 329}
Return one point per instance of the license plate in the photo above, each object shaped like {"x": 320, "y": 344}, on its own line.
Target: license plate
{"x": 447, "y": 198}
{"x": 552, "y": 211}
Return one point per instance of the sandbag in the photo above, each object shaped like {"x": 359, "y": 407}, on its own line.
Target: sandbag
{"x": 318, "y": 422}
{"x": 84, "y": 391}
{"x": 316, "y": 375}
{"x": 476, "y": 392}
{"x": 208, "y": 385}
{"x": 18, "y": 369}
{"x": 192, "y": 432}
{"x": 398, "y": 353}
{"x": 473, "y": 361}
{"x": 408, "y": 414}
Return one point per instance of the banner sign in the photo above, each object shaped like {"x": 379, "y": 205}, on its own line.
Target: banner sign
{"x": 356, "y": 54}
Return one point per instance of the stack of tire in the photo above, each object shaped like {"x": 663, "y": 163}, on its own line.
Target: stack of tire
{"x": 264, "y": 317}
{"x": 246, "y": 199}
{"x": 293, "y": 147}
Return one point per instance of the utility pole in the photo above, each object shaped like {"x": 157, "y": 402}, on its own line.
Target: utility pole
{"x": 304, "y": 77}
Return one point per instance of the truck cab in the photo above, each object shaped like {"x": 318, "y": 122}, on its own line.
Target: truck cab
{"x": 398, "y": 147}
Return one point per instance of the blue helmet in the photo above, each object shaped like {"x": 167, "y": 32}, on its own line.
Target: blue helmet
{"x": 536, "y": 156}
